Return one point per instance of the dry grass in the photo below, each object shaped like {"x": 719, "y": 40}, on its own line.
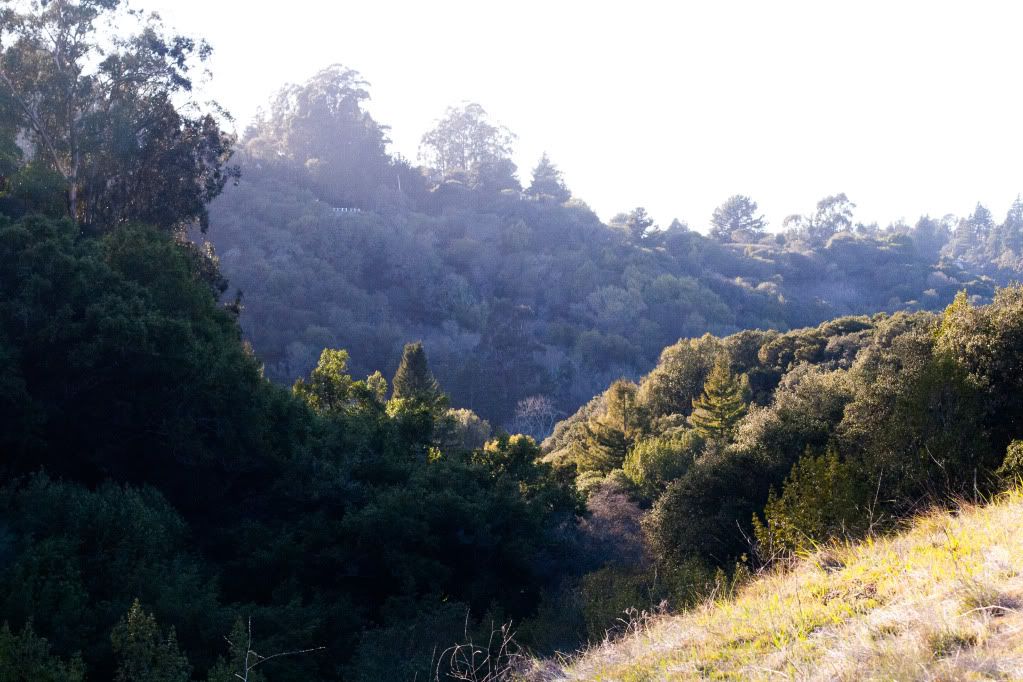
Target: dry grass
{"x": 942, "y": 601}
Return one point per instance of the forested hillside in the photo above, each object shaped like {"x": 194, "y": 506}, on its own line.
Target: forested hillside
{"x": 169, "y": 513}
{"x": 522, "y": 293}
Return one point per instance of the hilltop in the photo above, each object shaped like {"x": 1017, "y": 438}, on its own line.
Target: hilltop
{"x": 941, "y": 600}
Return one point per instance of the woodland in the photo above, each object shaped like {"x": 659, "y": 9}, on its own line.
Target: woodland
{"x": 284, "y": 406}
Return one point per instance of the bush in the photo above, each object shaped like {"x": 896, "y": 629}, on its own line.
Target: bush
{"x": 823, "y": 497}
{"x": 652, "y": 463}
{"x": 1011, "y": 471}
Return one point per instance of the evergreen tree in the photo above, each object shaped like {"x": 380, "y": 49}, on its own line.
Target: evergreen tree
{"x": 606, "y": 440}
{"x": 737, "y": 218}
{"x": 548, "y": 183}
{"x": 414, "y": 381}
{"x": 970, "y": 240}
{"x": 1012, "y": 229}
{"x": 26, "y": 657}
{"x": 145, "y": 655}
{"x": 722, "y": 405}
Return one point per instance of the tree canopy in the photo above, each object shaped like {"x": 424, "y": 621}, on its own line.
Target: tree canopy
{"x": 466, "y": 144}
{"x": 113, "y": 116}
{"x": 735, "y": 218}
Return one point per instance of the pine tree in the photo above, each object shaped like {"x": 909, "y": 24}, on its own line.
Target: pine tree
{"x": 607, "y": 439}
{"x": 548, "y": 183}
{"x": 414, "y": 382}
{"x": 723, "y": 403}
{"x": 145, "y": 654}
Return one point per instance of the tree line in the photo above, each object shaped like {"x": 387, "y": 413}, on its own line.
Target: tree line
{"x": 167, "y": 511}
{"x": 520, "y": 293}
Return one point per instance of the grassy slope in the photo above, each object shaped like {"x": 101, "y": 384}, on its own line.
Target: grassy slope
{"x": 942, "y": 601}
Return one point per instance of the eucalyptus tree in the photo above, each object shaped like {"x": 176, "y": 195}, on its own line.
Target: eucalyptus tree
{"x": 114, "y": 114}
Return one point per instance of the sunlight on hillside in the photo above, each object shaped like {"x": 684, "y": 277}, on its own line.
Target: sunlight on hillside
{"x": 941, "y": 601}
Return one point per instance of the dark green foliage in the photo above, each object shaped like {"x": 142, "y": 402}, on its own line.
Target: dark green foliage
{"x": 129, "y": 364}
{"x": 122, "y": 133}
{"x": 548, "y": 184}
{"x": 310, "y": 512}
{"x": 822, "y": 498}
{"x": 706, "y": 513}
{"x": 144, "y": 653}
{"x": 76, "y": 559}
{"x": 722, "y": 405}
{"x": 25, "y": 657}
{"x": 1011, "y": 470}
{"x": 414, "y": 382}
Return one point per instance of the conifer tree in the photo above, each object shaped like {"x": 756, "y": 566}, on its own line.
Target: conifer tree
{"x": 606, "y": 440}
{"x": 548, "y": 183}
{"x": 414, "y": 381}
{"x": 145, "y": 654}
{"x": 723, "y": 403}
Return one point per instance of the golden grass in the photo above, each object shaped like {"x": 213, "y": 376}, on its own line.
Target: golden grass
{"x": 941, "y": 601}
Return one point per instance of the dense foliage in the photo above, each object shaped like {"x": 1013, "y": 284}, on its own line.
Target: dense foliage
{"x": 166, "y": 510}
{"x": 520, "y": 293}
{"x": 749, "y": 447}
{"x": 146, "y": 458}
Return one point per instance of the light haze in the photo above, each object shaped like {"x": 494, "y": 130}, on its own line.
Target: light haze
{"x": 909, "y": 107}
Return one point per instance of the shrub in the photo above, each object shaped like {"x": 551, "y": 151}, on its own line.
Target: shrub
{"x": 822, "y": 497}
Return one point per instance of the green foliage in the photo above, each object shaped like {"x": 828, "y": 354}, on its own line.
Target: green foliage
{"x": 608, "y": 437}
{"x": 822, "y": 498}
{"x": 465, "y": 144}
{"x": 113, "y": 116}
{"x": 705, "y": 514}
{"x": 25, "y": 657}
{"x": 1011, "y": 470}
{"x": 144, "y": 653}
{"x": 722, "y": 405}
{"x": 548, "y": 183}
{"x": 81, "y": 557}
{"x": 654, "y": 462}
{"x": 118, "y": 363}
{"x": 414, "y": 382}
{"x": 152, "y": 360}
{"x": 737, "y": 219}
{"x": 330, "y": 387}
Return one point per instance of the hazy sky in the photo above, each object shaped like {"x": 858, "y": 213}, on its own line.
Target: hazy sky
{"x": 907, "y": 107}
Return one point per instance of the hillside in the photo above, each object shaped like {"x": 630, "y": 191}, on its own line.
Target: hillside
{"x": 522, "y": 292}
{"x": 939, "y": 601}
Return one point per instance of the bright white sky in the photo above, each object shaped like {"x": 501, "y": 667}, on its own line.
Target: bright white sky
{"x": 907, "y": 107}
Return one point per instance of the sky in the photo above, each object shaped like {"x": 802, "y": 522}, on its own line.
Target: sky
{"x": 908, "y": 107}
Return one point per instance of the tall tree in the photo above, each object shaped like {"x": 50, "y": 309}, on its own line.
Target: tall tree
{"x": 970, "y": 240}
{"x": 548, "y": 183}
{"x": 930, "y": 236}
{"x": 114, "y": 116}
{"x": 322, "y": 127}
{"x": 635, "y": 223}
{"x": 145, "y": 653}
{"x": 329, "y": 387}
{"x": 1012, "y": 228}
{"x": 465, "y": 143}
{"x": 834, "y": 214}
{"x": 723, "y": 403}
{"x": 737, "y": 218}
{"x": 414, "y": 381}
